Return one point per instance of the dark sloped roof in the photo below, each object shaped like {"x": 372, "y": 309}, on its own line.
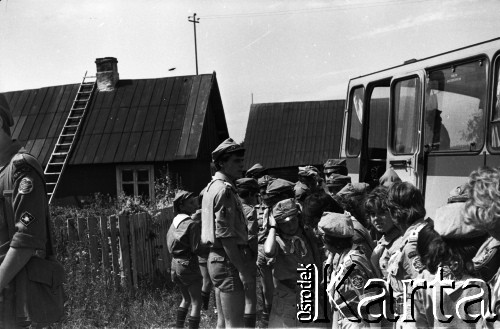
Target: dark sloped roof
{"x": 292, "y": 134}
{"x": 140, "y": 121}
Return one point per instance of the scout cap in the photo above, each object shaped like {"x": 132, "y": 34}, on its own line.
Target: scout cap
{"x": 336, "y": 225}
{"x": 301, "y": 190}
{"x": 459, "y": 194}
{"x": 279, "y": 186}
{"x": 227, "y": 146}
{"x": 284, "y": 209}
{"x": 247, "y": 184}
{"x": 449, "y": 222}
{"x": 308, "y": 171}
{"x": 338, "y": 181}
{"x": 389, "y": 177}
{"x": 181, "y": 196}
{"x": 335, "y": 166}
{"x": 255, "y": 169}
{"x": 354, "y": 188}
{"x": 264, "y": 180}
{"x": 5, "y": 111}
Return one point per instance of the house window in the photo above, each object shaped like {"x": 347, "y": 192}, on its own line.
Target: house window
{"x": 136, "y": 181}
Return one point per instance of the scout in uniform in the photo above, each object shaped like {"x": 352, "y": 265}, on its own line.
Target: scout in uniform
{"x": 309, "y": 175}
{"x": 290, "y": 245}
{"x": 336, "y": 182}
{"x": 202, "y": 260}
{"x": 378, "y": 212}
{"x": 248, "y": 190}
{"x": 183, "y": 242}
{"x": 23, "y": 222}
{"x": 481, "y": 211}
{"x": 224, "y": 228}
{"x": 337, "y": 232}
{"x": 447, "y": 251}
{"x": 406, "y": 206}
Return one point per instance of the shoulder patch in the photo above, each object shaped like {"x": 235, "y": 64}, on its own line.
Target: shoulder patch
{"x": 26, "y": 219}
{"x": 416, "y": 263}
{"x": 357, "y": 281}
{"x": 26, "y": 186}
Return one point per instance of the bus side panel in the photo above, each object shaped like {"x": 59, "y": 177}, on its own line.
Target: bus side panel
{"x": 445, "y": 173}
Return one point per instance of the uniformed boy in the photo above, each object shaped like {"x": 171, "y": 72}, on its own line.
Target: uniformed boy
{"x": 183, "y": 242}
{"x": 337, "y": 232}
{"x": 22, "y": 173}
{"x": 248, "y": 190}
{"x": 224, "y": 228}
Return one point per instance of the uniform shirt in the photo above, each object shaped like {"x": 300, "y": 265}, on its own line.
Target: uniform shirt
{"x": 222, "y": 213}
{"x": 289, "y": 253}
{"x": 362, "y": 238}
{"x": 487, "y": 259}
{"x": 183, "y": 237}
{"x": 252, "y": 225}
{"x": 351, "y": 292}
{"x": 29, "y": 202}
{"x": 425, "y": 299}
{"x": 405, "y": 263}
{"x": 384, "y": 249}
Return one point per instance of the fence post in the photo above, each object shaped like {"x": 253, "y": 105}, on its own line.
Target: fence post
{"x": 133, "y": 249}
{"x": 114, "y": 250}
{"x": 104, "y": 244}
{"x": 72, "y": 232}
{"x": 81, "y": 227}
{"x": 94, "y": 257}
{"x": 123, "y": 225}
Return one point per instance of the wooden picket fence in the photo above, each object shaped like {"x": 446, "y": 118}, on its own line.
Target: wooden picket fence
{"x": 129, "y": 247}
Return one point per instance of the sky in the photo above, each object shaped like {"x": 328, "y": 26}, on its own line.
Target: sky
{"x": 268, "y": 51}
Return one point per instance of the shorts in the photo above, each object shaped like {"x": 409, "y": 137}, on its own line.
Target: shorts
{"x": 223, "y": 273}
{"x": 186, "y": 272}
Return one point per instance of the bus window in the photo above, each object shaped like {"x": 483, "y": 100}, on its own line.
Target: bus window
{"x": 406, "y": 116}
{"x": 379, "y": 112}
{"x": 454, "y": 108}
{"x": 495, "y": 125}
{"x": 355, "y": 121}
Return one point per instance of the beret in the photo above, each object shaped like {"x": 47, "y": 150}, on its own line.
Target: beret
{"x": 308, "y": 171}
{"x": 449, "y": 222}
{"x": 389, "y": 177}
{"x": 285, "y": 208}
{"x": 5, "y": 111}
{"x": 338, "y": 180}
{"x": 278, "y": 186}
{"x": 336, "y": 225}
{"x": 336, "y": 166}
{"x": 249, "y": 184}
{"x": 227, "y": 146}
{"x": 264, "y": 180}
{"x": 353, "y": 188}
{"x": 182, "y": 195}
{"x": 255, "y": 169}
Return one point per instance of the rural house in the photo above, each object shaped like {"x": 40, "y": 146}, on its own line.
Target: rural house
{"x": 131, "y": 130}
{"x": 283, "y": 136}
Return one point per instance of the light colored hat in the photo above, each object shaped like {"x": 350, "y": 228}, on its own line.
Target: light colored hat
{"x": 389, "y": 177}
{"x": 255, "y": 169}
{"x": 336, "y": 225}
{"x": 353, "y": 188}
{"x": 449, "y": 222}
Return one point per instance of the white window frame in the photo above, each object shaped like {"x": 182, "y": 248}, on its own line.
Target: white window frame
{"x": 135, "y": 169}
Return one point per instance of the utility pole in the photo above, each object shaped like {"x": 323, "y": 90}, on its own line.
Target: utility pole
{"x": 195, "y": 21}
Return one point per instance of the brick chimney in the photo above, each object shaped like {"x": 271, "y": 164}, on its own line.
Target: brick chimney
{"x": 107, "y": 73}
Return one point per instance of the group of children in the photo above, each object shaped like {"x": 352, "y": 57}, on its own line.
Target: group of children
{"x": 361, "y": 234}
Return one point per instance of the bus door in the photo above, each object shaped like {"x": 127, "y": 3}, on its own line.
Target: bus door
{"x": 454, "y": 126}
{"x": 405, "y": 154}
{"x": 375, "y": 126}
{"x": 493, "y": 158}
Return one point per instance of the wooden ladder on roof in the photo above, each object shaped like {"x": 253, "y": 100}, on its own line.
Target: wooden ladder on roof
{"x": 68, "y": 136}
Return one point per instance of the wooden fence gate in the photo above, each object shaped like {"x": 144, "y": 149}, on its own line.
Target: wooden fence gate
{"x": 131, "y": 247}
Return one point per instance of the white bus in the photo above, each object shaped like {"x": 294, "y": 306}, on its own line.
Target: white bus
{"x": 432, "y": 120}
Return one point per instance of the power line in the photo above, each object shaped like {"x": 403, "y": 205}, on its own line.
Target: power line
{"x": 312, "y": 10}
